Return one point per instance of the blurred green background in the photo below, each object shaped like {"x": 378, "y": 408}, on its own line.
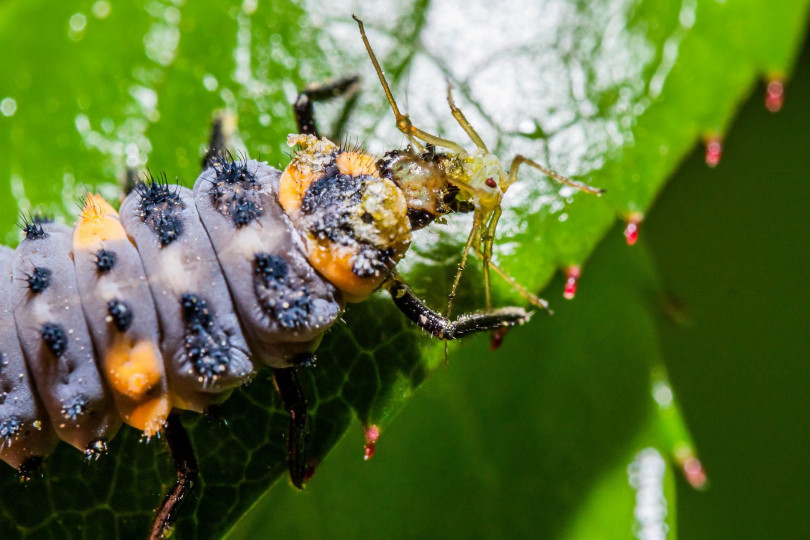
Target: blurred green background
{"x": 537, "y": 438}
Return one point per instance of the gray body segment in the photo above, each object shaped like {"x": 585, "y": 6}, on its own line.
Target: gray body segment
{"x": 285, "y": 306}
{"x": 25, "y": 430}
{"x": 202, "y": 342}
{"x": 54, "y": 336}
{"x": 121, "y": 315}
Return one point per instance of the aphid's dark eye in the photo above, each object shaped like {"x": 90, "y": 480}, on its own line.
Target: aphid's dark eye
{"x": 39, "y": 279}
{"x": 105, "y": 260}
{"x": 491, "y": 183}
{"x": 367, "y": 218}
{"x": 54, "y": 338}
{"x": 121, "y": 314}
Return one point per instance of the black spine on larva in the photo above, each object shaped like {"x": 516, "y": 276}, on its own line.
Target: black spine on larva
{"x": 233, "y": 191}
{"x": 54, "y": 338}
{"x": 207, "y": 345}
{"x": 121, "y": 313}
{"x": 9, "y": 429}
{"x": 75, "y": 408}
{"x": 39, "y": 279}
{"x": 32, "y": 226}
{"x": 160, "y": 208}
{"x": 290, "y": 306}
{"x": 105, "y": 260}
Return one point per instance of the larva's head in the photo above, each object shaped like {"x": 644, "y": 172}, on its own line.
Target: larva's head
{"x": 355, "y": 222}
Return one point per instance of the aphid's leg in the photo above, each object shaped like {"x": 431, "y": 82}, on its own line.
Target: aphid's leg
{"x": 444, "y": 328}
{"x": 519, "y": 160}
{"x": 294, "y": 402}
{"x": 521, "y": 290}
{"x": 463, "y": 122}
{"x": 487, "y": 240}
{"x": 403, "y": 122}
{"x": 303, "y": 108}
{"x": 186, "y": 465}
{"x": 471, "y": 239}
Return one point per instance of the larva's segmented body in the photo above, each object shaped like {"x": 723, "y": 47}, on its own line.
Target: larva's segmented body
{"x": 56, "y": 341}
{"x": 285, "y": 306}
{"x": 25, "y": 430}
{"x": 153, "y": 286}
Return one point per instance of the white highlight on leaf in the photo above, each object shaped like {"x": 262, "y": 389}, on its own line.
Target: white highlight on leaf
{"x": 662, "y": 394}
{"x": 101, "y": 9}
{"x": 8, "y": 106}
{"x": 210, "y": 82}
{"x": 646, "y": 476}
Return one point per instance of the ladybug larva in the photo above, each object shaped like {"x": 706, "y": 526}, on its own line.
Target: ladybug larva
{"x": 179, "y": 297}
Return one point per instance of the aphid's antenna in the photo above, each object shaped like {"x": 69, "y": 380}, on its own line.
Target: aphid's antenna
{"x": 403, "y": 122}
{"x": 519, "y": 160}
{"x": 463, "y": 122}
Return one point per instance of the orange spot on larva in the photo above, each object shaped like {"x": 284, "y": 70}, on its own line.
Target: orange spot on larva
{"x": 355, "y": 164}
{"x": 335, "y": 263}
{"x": 97, "y": 223}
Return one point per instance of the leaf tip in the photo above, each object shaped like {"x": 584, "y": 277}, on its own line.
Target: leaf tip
{"x": 572, "y": 274}
{"x": 691, "y": 467}
{"x": 372, "y": 433}
{"x": 633, "y": 221}
{"x": 714, "y": 150}
{"x": 774, "y": 93}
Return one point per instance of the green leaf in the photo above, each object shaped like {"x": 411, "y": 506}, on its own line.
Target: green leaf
{"x": 613, "y": 93}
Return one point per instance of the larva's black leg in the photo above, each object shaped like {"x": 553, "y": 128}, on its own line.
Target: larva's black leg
{"x": 186, "y": 465}
{"x": 430, "y": 321}
{"x": 217, "y": 143}
{"x": 130, "y": 181}
{"x": 293, "y": 397}
{"x": 303, "y": 109}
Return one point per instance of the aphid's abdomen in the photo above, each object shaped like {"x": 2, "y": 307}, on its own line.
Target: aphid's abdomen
{"x": 203, "y": 346}
{"x": 25, "y": 430}
{"x": 121, "y": 315}
{"x": 54, "y": 336}
{"x": 284, "y": 304}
